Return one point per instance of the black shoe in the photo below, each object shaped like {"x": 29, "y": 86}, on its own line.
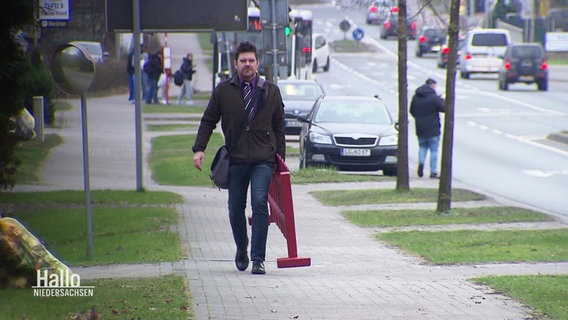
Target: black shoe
{"x": 434, "y": 176}
{"x": 420, "y": 170}
{"x": 258, "y": 267}
{"x": 242, "y": 260}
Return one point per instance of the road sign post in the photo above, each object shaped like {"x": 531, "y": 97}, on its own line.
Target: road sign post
{"x": 344, "y": 25}
{"x": 358, "y": 34}
{"x": 274, "y": 18}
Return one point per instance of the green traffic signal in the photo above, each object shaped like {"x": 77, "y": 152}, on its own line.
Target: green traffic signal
{"x": 288, "y": 31}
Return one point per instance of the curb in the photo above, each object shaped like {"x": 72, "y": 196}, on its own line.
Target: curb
{"x": 559, "y": 137}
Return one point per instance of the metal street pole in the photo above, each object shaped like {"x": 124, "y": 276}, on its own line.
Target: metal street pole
{"x": 274, "y": 44}
{"x": 137, "y": 87}
{"x": 86, "y": 179}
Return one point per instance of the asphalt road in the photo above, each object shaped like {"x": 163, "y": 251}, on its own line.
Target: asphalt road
{"x": 499, "y": 141}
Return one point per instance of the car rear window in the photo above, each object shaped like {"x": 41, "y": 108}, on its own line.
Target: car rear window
{"x": 489, "y": 40}
{"x": 386, "y": 3}
{"x": 309, "y": 92}
{"x": 435, "y": 32}
{"x": 528, "y": 52}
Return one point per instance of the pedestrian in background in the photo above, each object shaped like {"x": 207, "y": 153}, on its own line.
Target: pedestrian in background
{"x": 187, "y": 71}
{"x": 144, "y": 75}
{"x": 163, "y": 85}
{"x": 425, "y": 107}
{"x": 246, "y": 101}
{"x": 130, "y": 72}
{"x": 153, "y": 67}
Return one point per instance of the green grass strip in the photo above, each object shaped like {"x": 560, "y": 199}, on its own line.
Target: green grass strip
{"x": 164, "y": 297}
{"x": 410, "y": 217}
{"x": 32, "y": 155}
{"x": 171, "y": 127}
{"x": 330, "y": 175}
{"x": 120, "y": 235}
{"x": 547, "y": 293}
{"x": 374, "y": 196}
{"x": 107, "y": 197}
{"x": 466, "y": 246}
{"x": 172, "y": 108}
{"x": 171, "y": 160}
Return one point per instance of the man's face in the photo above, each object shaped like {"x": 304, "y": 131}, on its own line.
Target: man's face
{"x": 246, "y": 65}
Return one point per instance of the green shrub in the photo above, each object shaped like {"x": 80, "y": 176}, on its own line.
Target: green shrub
{"x": 41, "y": 84}
{"x": 13, "y": 75}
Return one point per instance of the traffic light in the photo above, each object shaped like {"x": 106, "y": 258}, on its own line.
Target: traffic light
{"x": 288, "y": 31}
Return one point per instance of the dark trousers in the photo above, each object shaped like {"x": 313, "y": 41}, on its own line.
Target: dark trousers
{"x": 152, "y": 91}
{"x": 258, "y": 176}
{"x": 131, "y": 87}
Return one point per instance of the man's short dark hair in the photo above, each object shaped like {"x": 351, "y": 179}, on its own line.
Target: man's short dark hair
{"x": 431, "y": 81}
{"x": 245, "y": 46}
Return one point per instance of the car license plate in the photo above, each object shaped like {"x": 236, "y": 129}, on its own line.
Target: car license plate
{"x": 436, "y": 48}
{"x": 526, "y": 63}
{"x": 526, "y": 78}
{"x": 292, "y": 123}
{"x": 356, "y": 152}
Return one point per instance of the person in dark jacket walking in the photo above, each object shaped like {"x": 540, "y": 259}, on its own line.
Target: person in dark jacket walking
{"x": 425, "y": 108}
{"x": 153, "y": 67}
{"x": 258, "y": 137}
{"x": 187, "y": 71}
{"x": 130, "y": 72}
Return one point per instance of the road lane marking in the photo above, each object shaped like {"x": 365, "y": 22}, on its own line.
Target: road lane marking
{"x": 522, "y": 139}
{"x": 466, "y": 86}
{"x": 543, "y": 174}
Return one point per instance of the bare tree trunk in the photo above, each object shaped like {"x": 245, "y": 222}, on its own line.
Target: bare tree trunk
{"x": 402, "y": 178}
{"x": 445, "y": 187}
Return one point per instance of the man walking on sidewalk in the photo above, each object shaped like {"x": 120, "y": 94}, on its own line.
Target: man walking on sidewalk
{"x": 425, "y": 108}
{"x": 252, "y": 118}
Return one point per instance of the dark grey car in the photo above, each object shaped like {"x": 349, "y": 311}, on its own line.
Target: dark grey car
{"x": 389, "y": 28}
{"x": 350, "y": 133}
{"x": 430, "y": 40}
{"x": 299, "y": 97}
{"x": 378, "y": 11}
{"x": 526, "y": 63}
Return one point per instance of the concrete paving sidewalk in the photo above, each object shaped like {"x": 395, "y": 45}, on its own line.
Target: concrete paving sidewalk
{"x": 353, "y": 276}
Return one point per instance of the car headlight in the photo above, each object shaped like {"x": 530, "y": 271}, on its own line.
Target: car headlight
{"x": 320, "y": 138}
{"x": 391, "y": 140}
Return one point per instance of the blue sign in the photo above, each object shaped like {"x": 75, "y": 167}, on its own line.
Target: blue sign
{"x": 358, "y": 34}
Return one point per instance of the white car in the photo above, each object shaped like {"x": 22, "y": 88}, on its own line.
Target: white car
{"x": 482, "y": 51}
{"x": 320, "y": 56}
